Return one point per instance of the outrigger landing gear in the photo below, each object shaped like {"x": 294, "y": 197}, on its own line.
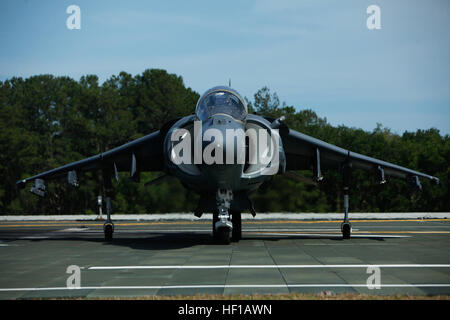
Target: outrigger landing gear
{"x": 222, "y": 224}
{"x": 108, "y": 227}
{"x": 346, "y": 226}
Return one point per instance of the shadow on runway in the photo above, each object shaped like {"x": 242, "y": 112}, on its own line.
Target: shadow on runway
{"x": 173, "y": 241}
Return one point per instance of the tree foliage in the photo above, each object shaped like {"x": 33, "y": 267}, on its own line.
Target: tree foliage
{"x": 48, "y": 121}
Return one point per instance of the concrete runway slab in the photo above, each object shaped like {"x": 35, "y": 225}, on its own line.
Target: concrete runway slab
{"x": 180, "y": 258}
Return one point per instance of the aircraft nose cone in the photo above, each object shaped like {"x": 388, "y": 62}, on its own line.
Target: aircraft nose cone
{"x": 223, "y": 149}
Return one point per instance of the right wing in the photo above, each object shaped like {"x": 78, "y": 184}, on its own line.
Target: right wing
{"x": 143, "y": 154}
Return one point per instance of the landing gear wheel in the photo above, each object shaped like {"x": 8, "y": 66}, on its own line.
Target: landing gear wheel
{"x": 224, "y": 235}
{"x": 346, "y": 229}
{"x": 237, "y": 226}
{"x": 214, "y": 220}
{"x": 108, "y": 230}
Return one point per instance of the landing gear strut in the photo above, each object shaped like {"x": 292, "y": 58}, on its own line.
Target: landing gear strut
{"x": 222, "y": 226}
{"x": 108, "y": 227}
{"x": 346, "y": 226}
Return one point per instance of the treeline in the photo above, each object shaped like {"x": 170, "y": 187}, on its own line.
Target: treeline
{"x": 48, "y": 121}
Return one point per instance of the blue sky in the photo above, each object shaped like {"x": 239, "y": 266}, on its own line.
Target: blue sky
{"x": 315, "y": 54}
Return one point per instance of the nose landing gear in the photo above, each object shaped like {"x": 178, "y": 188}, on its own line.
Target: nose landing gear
{"x": 222, "y": 226}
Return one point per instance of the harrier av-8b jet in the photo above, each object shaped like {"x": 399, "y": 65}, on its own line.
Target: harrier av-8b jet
{"x": 224, "y": 154}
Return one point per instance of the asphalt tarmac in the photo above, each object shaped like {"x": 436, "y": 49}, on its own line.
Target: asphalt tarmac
{"x": 71, "y": 259}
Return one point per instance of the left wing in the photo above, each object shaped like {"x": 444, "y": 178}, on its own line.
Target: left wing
{"x": 303, "y": 151}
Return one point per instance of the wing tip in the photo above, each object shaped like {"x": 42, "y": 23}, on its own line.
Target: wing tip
{"x": 21, "y": 183}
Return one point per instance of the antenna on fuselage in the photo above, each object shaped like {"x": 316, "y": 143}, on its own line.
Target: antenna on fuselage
{"x": 229, "y": 82}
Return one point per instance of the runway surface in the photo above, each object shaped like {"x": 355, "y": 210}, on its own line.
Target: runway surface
{"x": 180, "y": 258}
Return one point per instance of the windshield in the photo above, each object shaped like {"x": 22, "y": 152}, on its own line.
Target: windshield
{"x": 221, "y": 102}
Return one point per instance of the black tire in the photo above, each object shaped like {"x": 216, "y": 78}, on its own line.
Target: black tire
{"x": 346, "y": 230}
{"x": 237, "y": 226}
{"x": 214, "y": 220}
{"x": 224, "y": 235}
{"x": 108, "y": 230}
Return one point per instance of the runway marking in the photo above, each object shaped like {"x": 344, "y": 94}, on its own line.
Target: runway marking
{"x": 274, "y": 266}
{"x": 405, "y": 231}
{"x": 204, "y": 230}
{"x": 43, "y": 225}
{"x": 73, "y": 230}
{"x": 325, "y": 235}
{"x": 34, "y": 238}
{"x": 340, "y": 221}
{"x": 226, "y": 286}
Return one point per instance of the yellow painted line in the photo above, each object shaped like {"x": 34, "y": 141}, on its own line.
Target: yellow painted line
{"x": 100, "y": 224}
{"x": 414, "y": 232}
{"x": 46, "y": 221}
{"x": 161, "y": 223}
{"x": 339, "y": 221}
{"x": 40, "y": 225}
{"x": 354, "y": 232}
{"x": 25, "y": 223}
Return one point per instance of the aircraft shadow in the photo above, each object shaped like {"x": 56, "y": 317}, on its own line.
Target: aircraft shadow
{"x": 173, "y": 241}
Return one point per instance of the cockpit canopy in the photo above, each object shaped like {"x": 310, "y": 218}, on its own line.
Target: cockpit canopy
{"x": 221, "y": 100}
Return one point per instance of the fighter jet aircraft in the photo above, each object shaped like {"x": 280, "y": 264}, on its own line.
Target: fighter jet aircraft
{"x": 224, "y": 154}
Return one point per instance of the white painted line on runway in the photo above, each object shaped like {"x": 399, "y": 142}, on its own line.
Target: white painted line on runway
{"x": 73, "y": 230}
{"x": 225, "y": 286}
{"x": 34, "y": 238}
{"x": 326, "y": 235}
{"x": 274, "y": 266}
